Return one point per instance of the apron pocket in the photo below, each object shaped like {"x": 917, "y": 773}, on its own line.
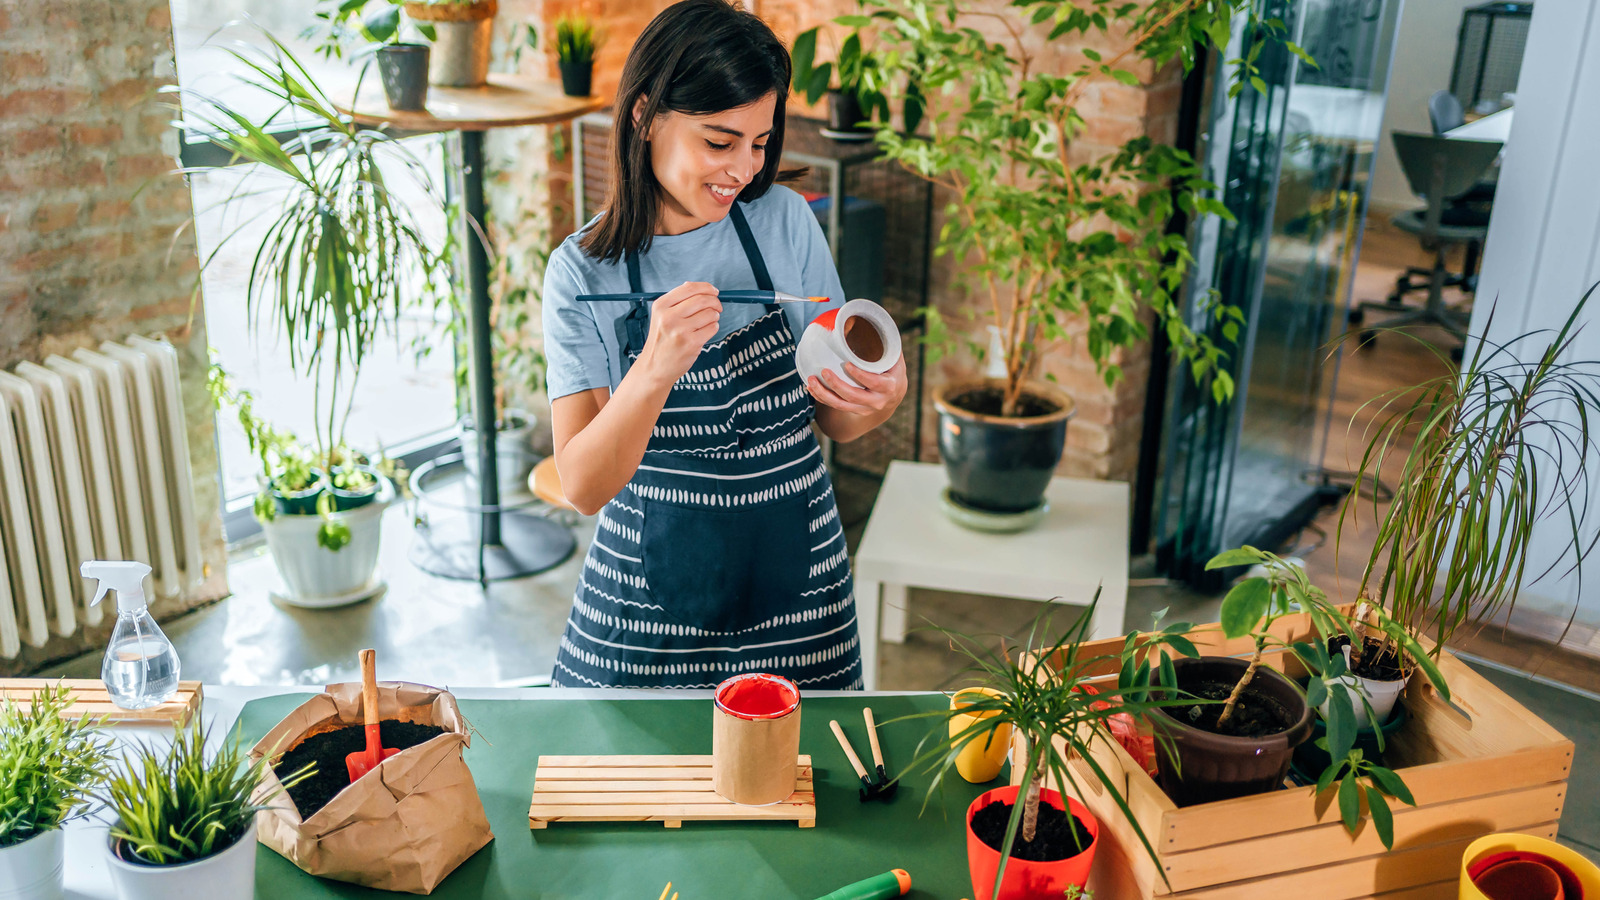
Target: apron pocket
{"x": 726, "y": 570}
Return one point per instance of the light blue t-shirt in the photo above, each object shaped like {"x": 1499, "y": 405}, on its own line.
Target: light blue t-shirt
{"x": 580, "y": 339}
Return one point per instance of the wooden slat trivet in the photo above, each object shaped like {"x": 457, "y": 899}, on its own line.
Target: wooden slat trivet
{"x": 668, "y": 789}
{"x": 90, "y": 698}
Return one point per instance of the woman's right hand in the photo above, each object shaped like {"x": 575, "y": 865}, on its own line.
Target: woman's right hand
{"x": 681, "y": 321}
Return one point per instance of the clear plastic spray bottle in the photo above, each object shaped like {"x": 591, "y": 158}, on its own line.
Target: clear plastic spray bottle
{"x": 141, "y": 666}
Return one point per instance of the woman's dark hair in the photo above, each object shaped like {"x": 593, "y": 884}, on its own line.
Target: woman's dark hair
{"x": 697, "y": 57}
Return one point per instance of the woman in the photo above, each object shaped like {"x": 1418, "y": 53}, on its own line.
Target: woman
{"x": 683, "y": 422}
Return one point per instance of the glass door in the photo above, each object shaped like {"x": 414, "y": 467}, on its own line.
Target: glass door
{"x": 1293, "y": 163}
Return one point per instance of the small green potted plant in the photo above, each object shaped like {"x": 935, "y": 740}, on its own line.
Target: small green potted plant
{"x": 853, "y": 81}
{"x": 577, "y": 41}
{"x": 49, "y": 768}
{"x": 1490, "y": 459}
{"x": 1043, "y": 694}
{"x": 373, "y": 27}
{"x": 185, "y": 825}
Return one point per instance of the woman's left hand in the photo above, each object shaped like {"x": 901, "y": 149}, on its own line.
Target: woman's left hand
{"x": 876, "y": 398}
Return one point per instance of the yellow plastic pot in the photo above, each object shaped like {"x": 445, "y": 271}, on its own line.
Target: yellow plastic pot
{"x": 980, "y": 760}
{"x": 1587, "y": 873}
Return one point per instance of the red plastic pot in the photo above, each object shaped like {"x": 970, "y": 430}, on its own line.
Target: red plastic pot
{"x": 1028, "y": 880}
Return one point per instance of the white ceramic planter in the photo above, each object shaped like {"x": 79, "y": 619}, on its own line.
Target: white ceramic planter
{"x": 230, "y": 874}
{"x": 315, "y": 576}
{"x": 32, "y": 869}
{"x": 514, "y": 448}
{"x": 832, "y": 339}
{"x": 1381, "y": 694}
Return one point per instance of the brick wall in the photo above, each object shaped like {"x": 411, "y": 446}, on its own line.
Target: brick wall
{"x": 1103, "y": 441}
{"x": 88, "y": 212}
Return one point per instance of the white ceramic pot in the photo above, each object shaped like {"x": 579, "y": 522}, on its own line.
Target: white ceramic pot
{"x": 229, "y": 875}
{"x": 32, "y": 869}
{"x": 1381, "y": 694}
{"x": 316, "y": 576}
{"x": 515, "y": 458}
{"x": 859, "y": 332}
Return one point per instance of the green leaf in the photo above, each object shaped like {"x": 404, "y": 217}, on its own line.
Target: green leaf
{"x": 1350, "y": 802}
{"x": 1126, "y": 77}
{"x": 801, "y": 55}
{"x": 383, "y": 25}
{"x": 1392, "y": 784}
{"x": 1258, "y": 84}
{"x": 1240, "y": 556}
{"x": 853, "y": 21}
{"x": 1382, "y": 818}
{"x": 1244, "y": 606}
{"x": 1091, "y": 54}
{"x": 1341, "y": 725}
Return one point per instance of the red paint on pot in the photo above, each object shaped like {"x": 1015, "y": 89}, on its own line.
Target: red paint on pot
{"x": 1027, "y": 880}
{"x": 758, "y": 696}
{"x": 826, "y": 320}
{"x": 1571, "y": 887}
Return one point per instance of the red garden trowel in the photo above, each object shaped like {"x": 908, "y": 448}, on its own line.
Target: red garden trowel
{"x": 363, "y": 761}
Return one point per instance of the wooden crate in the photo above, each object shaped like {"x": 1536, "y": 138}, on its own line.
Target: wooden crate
{"x": 667, "y": 789}
{"x": 90, "y": 698}
{"x": 1477, "y": 764}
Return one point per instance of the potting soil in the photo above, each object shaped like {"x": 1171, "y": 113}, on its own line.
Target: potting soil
{"x": 327, "y": 751}
{"x": 990, "y": 401}
{"x": 1058, "y": 836}
{"x": 1253, "y": 716}
{"x": 1377, "y": 666}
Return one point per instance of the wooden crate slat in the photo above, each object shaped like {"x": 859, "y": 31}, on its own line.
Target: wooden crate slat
{"x": 1211, "y": 824}
{"x": 1329, "y": 844}
{"x": 90, "y": 698}
{"x": 668, "y": 789}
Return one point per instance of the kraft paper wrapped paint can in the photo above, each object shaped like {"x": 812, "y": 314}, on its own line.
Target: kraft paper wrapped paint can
{"x": 755, "y": 739}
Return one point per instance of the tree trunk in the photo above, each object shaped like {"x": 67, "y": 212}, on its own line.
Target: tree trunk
{"x": 1030, "y": 806}
{"x": 1238, "y": 689}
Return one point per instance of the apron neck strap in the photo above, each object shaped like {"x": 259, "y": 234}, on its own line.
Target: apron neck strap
{"x": 751, "y": 251}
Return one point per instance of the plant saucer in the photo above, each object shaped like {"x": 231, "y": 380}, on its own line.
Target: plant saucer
{"x": 992, "y": 522}
{"x": 851, "y": 136}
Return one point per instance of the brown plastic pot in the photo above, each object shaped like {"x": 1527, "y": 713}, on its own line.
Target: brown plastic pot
{"x": 1213, "y": 766}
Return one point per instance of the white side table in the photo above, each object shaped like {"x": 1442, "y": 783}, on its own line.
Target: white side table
{"x": 1082, "y": 544}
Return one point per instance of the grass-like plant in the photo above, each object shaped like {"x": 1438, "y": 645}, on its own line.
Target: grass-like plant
{"x": 49, "y": 765}
{"x": 577, "y": 39}
{"x": 180, "y": 804}
{"x": 1040, "y": 691}
{"x": 342, "y": 255}
{"x": 1489, "y": 458}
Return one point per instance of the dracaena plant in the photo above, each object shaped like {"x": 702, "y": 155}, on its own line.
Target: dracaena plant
{"x": 1059, "y": 244}
{"x": 1250, "y": 609}
{"x": 1042, "y": 689}
{"x": 1487, "y": 458}
{"x": 49, "y": 765}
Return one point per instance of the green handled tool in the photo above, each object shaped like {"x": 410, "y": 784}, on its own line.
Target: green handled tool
{"x": 893, "y": 883}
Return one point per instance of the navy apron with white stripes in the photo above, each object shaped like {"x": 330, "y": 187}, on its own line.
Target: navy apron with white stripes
{"x": 725, "y": 553}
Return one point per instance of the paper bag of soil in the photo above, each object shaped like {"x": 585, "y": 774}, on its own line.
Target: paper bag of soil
{"x": 405, "y": 825}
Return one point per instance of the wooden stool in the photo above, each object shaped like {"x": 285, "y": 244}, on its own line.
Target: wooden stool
{"x": 545, "y": 482}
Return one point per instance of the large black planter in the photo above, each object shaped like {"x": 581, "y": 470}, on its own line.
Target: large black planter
{"x": 404, "y": 70}
{"x": 844, "y": 113}
{"x": 998, "y": 464}
{"x": 576, "y": 77}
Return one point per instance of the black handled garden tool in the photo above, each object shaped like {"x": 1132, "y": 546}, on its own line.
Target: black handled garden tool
{"x": 870, "y": 789}
{"x": 885, "y": 786}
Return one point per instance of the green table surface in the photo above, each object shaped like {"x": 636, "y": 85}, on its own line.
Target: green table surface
{"x": 703, "y": 860}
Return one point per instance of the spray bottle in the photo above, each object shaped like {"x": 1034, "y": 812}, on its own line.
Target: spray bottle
{"x": 141, "y": 666}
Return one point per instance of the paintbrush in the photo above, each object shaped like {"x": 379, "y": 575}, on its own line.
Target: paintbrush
{"x": 724, "y": 296}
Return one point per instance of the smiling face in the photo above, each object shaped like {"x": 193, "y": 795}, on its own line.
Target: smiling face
{"x": 703, "y": 162}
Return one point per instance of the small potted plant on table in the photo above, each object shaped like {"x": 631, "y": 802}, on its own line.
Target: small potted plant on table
{"x": 49, "y": 767}
{"x": 577, "y": 41}
{"x": 185, "y": 825}
{"x": 859, "y": 99}
{"x": 1026, "y": 840}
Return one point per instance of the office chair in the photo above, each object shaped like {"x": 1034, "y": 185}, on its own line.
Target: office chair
{"x": 1445, "y": 112}
{"x": 1439, "y": 170}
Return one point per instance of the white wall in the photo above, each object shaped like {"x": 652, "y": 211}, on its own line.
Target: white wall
{"x": 1425, "y": 49}
{"x": 1543, "y": 249}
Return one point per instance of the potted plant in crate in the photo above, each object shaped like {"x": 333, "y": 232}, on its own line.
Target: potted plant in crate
{"x": 49, "y": 766}
{"x": 1026, "y": 840}
{"x": 334, "y": 269}
{"x": 185, "y": 825}
{"x": 859, "y": 98}
{"x": 577, "y": 41}
{"x": 1488, "y": 457}
{"x": 1066, "y": 250}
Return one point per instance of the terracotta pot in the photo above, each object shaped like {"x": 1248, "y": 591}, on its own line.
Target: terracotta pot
{"x": 999, "y": 464}
{"x": 1213, "y": 766}
{"x": 1027, "y": 880}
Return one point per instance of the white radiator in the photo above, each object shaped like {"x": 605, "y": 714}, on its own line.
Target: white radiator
{"x": 94, "y": 464}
